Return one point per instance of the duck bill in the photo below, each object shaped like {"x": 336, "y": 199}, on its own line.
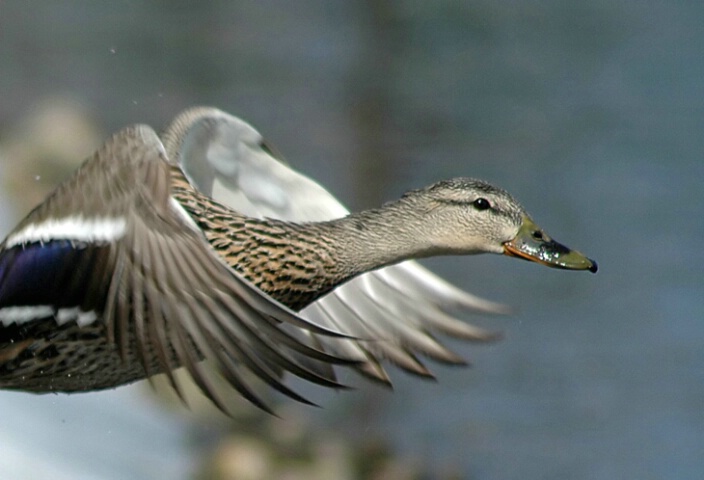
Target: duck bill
{"x": 531, "y": 243}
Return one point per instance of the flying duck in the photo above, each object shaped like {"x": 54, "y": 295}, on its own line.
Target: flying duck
{"x": 161, "y": 251}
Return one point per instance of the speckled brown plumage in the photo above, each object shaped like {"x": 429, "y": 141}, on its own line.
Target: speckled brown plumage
{"x": 294, "y": 264}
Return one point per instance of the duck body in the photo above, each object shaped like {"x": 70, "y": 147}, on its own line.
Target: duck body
{"x": 132, "y": 267}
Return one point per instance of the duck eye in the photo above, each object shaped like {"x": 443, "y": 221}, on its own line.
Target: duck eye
{"x": 481, "y": 204}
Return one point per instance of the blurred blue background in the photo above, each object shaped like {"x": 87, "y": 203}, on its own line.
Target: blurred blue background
{"x": 590, "y": 113}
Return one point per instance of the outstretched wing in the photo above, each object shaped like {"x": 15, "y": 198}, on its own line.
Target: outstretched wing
{"x": 391, "y": 312}
{"x": 111, "y": 245}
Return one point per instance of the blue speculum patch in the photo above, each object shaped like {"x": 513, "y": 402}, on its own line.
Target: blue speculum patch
{"x": 51, "y": 273}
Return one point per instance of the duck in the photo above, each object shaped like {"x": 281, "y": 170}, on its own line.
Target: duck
{"x": 165, "y": 250}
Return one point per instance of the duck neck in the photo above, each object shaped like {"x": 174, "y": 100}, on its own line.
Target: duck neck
{"x": 299, "y": 263}
{"x": 371, "y": 239}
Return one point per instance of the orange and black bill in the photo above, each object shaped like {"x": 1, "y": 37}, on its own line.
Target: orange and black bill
{"x": 531, "y": 243}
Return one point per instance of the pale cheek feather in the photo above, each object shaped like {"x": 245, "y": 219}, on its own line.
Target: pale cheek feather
{"x": 71, "y": 228}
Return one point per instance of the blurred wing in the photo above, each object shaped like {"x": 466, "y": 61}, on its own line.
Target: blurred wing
{"x": 115, "y": 245}
{"x": 391, "y": 312}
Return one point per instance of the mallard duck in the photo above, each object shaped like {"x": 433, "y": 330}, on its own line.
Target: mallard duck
{"x": 160, "y": 252}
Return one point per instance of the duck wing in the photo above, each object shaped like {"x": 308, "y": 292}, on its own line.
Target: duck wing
{"x": 391, "y": 312}
{"x": 110, "y": 244}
